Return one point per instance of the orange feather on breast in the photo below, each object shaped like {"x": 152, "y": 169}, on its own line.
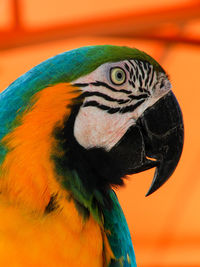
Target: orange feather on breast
{"x": 27, "y": 171}
{"x": 28, "y": 236}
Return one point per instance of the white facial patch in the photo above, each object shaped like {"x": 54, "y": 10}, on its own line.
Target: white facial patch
{"x": 109, "y": 110}
{"x": 96, "y": 128}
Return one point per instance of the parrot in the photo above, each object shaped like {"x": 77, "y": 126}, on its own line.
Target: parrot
{"x": 71, "y": 129}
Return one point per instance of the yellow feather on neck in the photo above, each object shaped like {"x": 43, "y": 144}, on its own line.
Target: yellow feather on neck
{"x": 27, "y": 182}
{"x": 27, "y": 174}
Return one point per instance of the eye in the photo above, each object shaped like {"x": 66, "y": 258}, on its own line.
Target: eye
{"x": 117, "y": 76}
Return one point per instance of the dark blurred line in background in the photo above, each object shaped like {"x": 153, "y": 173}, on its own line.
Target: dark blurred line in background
{"x": 161, "y": 24}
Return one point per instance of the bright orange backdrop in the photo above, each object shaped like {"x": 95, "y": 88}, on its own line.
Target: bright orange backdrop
{"x": 166, "y": 225}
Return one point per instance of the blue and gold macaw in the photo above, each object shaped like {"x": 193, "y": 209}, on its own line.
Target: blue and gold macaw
{"x": 70, "y": 129}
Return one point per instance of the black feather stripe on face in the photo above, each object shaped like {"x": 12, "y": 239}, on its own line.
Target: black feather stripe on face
{"x": 110, "y": 110}
{"x": 104, "y": 96}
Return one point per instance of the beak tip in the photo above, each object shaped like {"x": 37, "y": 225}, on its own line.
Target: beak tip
{"x": 159, "y": 179}
{"x": 151, "y": 190}
{"x": 148, "y": 193}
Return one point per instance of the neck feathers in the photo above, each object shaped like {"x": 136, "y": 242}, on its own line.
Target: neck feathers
{"x": 27, "y": 173}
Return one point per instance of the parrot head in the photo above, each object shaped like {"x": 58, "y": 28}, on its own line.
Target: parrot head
{"x": 130, "y": 114}
{"x": 124, "y": 119}
{"x": 128, "y": 120}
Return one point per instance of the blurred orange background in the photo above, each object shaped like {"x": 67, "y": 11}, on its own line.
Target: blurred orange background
{"x": 165, "y": 226}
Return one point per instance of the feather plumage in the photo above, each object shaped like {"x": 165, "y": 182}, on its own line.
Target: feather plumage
{"x": 48, "y": 212}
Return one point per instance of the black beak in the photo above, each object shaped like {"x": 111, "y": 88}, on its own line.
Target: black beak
{"x": 161, "y": 126}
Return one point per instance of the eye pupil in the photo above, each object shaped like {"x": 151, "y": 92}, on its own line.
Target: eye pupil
{"x": 119, "y": 75}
